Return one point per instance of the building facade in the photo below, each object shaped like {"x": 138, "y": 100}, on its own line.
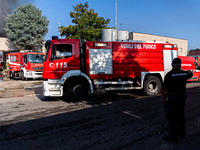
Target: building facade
{"x": 181, "y": 43}
{"x": 5, "y": 47}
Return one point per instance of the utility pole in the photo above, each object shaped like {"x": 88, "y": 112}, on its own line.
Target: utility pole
{"x": 116, "y": 14}
{"x": 58, "y": 30}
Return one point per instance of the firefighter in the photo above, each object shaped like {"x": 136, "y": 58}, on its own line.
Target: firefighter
{"x": 173, "y": 98}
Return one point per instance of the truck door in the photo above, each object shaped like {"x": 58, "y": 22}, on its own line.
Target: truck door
{"x": 24, "y": 61}
{"x": 62, "y": 59}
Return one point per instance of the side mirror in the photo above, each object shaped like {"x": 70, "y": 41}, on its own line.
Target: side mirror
{"x": 50, "y": 59}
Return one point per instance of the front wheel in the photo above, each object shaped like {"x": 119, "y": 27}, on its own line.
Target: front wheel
{"x": 152, "y": 86}
{"x": 22, "y": 75}
{"x": 76, "y": 90}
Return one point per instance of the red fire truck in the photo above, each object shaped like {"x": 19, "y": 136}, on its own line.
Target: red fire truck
{"x": 72, "y": 68}
{"x": 25, "y": 64}
{"x": 189, "y": 63}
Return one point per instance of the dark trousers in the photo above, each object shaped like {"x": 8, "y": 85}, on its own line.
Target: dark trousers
{"x": 174, "y": 109}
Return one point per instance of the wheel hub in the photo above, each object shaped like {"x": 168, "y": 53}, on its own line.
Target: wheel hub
{"x": 77, "y": 90}
{"x": 152, "y": 86}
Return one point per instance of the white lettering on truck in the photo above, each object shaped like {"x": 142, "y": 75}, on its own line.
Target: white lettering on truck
{"x": 58, "y": 65}
{"x": 186, "y": 65}
{"x": 149, "y": 46}
{"x": 128, "y": 46}
{"x": 138, "y": 46}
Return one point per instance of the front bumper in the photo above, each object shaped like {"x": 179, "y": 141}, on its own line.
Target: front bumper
{"x": 33, "y": 74}
{"x": 52, "y": 88}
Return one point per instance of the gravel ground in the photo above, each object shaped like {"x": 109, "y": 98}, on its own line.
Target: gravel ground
{"x": 89, "y": 126}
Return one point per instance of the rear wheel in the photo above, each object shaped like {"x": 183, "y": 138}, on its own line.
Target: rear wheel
{"x": 76, "y": 90}
{"x": 152, "y": 86}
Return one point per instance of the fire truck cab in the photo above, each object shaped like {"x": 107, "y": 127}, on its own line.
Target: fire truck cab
{"x": 189, "y": 63}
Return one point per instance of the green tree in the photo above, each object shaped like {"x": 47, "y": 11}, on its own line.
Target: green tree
{"x": 87, "y": 24}
{"x": 26, "y": 27}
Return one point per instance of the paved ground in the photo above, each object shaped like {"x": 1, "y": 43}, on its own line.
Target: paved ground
{"x": 19, "y": 88}
{"x": 107, "y": 121}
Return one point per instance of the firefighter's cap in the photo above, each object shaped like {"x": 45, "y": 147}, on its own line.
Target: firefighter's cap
{"x": 176, "y": 62}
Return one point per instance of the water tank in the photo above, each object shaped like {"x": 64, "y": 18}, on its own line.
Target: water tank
{"x": 109, "y": 35}
{"x": 122, "y": 35}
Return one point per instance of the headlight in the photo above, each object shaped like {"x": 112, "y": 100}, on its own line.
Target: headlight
{"x": 29, "y": 73}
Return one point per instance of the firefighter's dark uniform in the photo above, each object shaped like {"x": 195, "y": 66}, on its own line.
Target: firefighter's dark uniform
{"x": 175, "y": 83}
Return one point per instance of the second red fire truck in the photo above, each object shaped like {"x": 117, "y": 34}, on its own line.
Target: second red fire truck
{"x": 26, "y": 64}
{"x": 72, "y": 68}
{"x": 189, "y": 63}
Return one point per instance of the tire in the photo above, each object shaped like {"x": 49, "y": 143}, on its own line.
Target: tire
{"x": 76, "y": 90}
{"x": 22, "y": 75}
{"x": 11, "y": 75}
{"x": 152, "y": 86}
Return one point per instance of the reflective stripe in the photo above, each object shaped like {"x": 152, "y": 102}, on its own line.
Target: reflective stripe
{"x": 179, "y": 74}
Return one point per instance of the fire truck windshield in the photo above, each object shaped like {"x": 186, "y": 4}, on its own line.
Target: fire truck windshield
{"x": 35, "y": 58}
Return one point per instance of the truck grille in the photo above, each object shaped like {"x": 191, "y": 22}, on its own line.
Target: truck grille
{"x": 37, "y": 68}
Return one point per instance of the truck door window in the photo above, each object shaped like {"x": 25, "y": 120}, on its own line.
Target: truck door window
{"x": 61, "y": 51}
{"x": 14, "y": 58}
{"x": 25, "y": 59}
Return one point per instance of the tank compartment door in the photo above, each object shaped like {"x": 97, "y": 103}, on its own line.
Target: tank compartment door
{"x": 100, "y": 61}
{"x": 168, "y": 55}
